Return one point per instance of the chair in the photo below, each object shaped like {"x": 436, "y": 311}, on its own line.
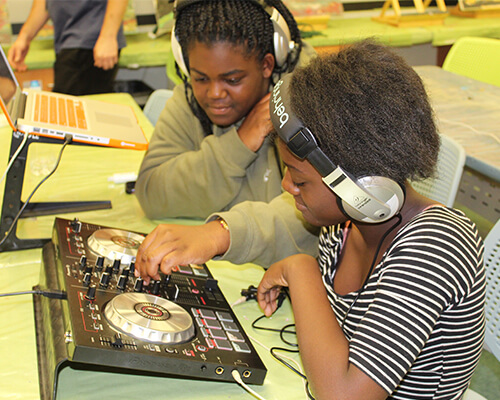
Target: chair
{"x": 443, "y": 188}
{"x": 475, "y": 57}
{"x": 155, "y": 104}
{"x": 492, "y": 265}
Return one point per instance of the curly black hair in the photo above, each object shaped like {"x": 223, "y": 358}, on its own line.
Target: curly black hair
{"x": 240, "y": 22}
{"x": 370, "y": 112}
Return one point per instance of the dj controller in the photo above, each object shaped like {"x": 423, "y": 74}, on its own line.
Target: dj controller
{"x": 180, "y": 325}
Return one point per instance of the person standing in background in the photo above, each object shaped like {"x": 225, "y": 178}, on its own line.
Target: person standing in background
{"x": 88, "y": 37}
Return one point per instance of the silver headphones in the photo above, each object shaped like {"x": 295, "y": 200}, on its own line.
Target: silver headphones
{"x": 371, "y": 199}
{"x": 283, "y": 43}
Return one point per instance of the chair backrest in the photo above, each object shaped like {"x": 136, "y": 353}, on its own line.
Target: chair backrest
{"x": 475, "y": 57}
{"x": 450, "y": 165}
{"x": 492, "y": 310}
{"x": 155, "y": 104}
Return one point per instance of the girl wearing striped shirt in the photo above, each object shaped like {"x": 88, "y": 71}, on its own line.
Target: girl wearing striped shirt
{"x": 393, "y": 305}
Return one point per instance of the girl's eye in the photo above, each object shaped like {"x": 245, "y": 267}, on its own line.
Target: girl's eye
{"x": 233, "y": 81}
{"x": 299, "y": 184}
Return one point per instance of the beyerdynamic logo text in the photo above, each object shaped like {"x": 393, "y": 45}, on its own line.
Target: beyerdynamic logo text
{"x": 360, "y": 202}
{"x": 279, "y": 108}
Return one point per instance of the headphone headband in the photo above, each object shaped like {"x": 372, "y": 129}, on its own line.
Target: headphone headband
{"x": 292, "y": 131}
{"x": 282, "y": 40}
{"x": 355, "y": 199}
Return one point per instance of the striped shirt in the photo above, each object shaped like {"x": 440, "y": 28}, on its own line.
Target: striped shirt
{"x": 417, "y": 327}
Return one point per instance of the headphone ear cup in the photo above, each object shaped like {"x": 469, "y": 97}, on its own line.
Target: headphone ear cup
{"x": 282, "y": 39}
{"x": 177, "y": 52}
{"x": 383, "y": 189}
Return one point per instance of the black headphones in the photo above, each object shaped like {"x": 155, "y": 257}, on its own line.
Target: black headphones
{"x": 371, "y": 199}
{"x": 283, "y": 43}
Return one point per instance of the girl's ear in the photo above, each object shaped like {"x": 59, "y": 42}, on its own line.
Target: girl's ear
{"x": 268, "y": 64}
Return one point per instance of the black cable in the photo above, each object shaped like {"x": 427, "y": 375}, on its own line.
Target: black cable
{"x": 285, "y": 363}
{"x": 51, "y": 294}
{"x": 289, "y": 366}
{"x": 281, "y": 298}
{"x": 285, "y": 328}
{"x": 371, "y": 268}
{"x": 273, "y": 350}
{"x": 282, "y": 335}
{"x": 67, "y": 140}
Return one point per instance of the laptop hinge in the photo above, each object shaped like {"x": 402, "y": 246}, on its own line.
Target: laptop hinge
{"x": 17, "y": 106}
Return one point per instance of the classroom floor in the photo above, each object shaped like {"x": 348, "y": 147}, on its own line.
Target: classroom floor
{"x": 486, "y": 379}
{"x": 480, "y": 205}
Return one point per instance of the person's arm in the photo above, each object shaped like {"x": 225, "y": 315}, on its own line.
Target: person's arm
{"x": 168, "y": 246}
{"x": 420, "y": 278}
{"x": 323, "y": 347}
{"x": 187, "y": 174}
{"x": 37, "y": 18}
{"x": 263, "y": 233}
{"x": 106, "y": 47}
{"x": 258, "y": 232}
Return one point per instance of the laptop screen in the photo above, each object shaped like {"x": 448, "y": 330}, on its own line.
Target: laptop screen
{"x": 8, "y": 82}
{"x": 54, "y": 115}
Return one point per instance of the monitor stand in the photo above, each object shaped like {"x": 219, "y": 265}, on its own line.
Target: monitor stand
{"x": 12, "y": 198}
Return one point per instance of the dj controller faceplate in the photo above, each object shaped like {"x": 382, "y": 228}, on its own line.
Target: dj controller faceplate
{"x": 180, "y": 325}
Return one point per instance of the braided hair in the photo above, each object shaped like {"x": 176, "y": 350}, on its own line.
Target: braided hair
{"x": 242, "y": 23}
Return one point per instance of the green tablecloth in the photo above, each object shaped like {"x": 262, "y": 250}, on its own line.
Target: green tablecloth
{"x": 142, "y": 51}
{"x": 83, "y": 175}
{"x": 348, "y": 30}
{"x": 456, "y": 27}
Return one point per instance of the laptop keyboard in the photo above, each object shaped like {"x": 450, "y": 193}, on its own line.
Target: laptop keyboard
{"x": 59, "y": 110}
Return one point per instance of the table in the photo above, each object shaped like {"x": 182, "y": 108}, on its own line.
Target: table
{"x": 83, "y": 174}
{"x": 467, "y": 111}
{"x": 151, "y": 55}
{"x": 142, "y": 51}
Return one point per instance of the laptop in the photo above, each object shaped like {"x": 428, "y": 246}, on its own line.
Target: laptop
{"x": 55, "y": 115}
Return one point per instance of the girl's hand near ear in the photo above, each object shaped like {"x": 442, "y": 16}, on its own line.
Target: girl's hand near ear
{"x": 257, "y": 125}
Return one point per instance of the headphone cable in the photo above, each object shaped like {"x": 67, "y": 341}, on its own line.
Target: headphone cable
{"x": 372, "y": 266}
{"x": 281, "y": 358}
